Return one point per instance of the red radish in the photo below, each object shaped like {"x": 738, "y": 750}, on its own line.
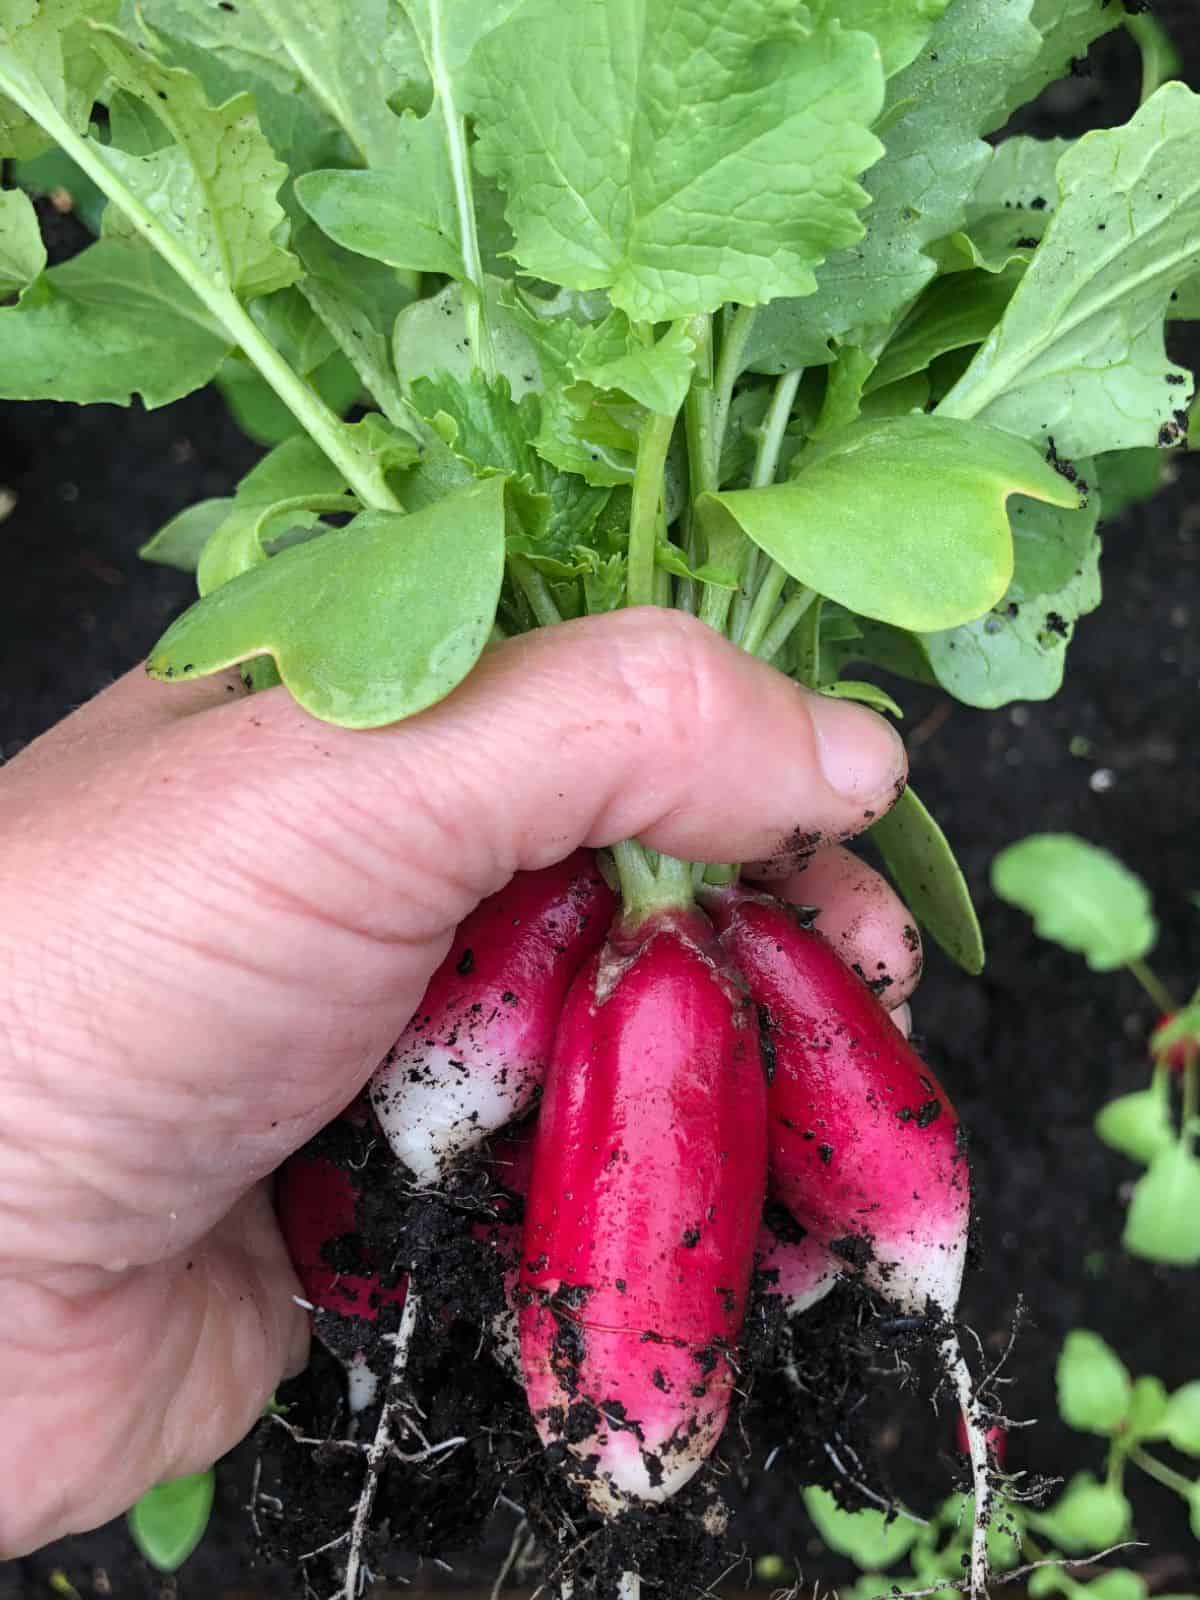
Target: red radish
{"x": 644, "y": 1202}
{"x": 864, "y": 1148}
{"x": 797, "y": 1266}
{"x": 473, "y": 1056}
{"x": 317, "y": 1202}
{"x": 864, "y": 1144}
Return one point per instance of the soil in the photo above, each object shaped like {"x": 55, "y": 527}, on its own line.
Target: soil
{"x": 1028, "y": 1053}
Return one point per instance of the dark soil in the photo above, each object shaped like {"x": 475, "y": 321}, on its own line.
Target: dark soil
{"x": 1028, "y": 1053}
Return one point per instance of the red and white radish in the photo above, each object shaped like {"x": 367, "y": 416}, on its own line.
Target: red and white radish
{"x": 474, "y": 1054}
{"x": 644, "y": 1203}
{"x": 865, "y": 1149}
{"x": 317, "y": 1204}
{"x": 796, "y": 1266}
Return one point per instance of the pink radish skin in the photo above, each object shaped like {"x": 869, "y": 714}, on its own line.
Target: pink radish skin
{"x": 317, "y": 1203}
{"x": 864, "y": 1148}
{"x": 474, "y": 1055}
{"x": 644, "y": 1203}
{"x": 800, "y": 1271}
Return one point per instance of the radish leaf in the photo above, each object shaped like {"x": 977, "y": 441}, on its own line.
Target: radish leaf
{"x": 169, "y": 1521}
{"x": 48, "y": 63}
{"x": 368, "y": 624}
{"x": 869, "y": 1537}
{"x": 922, "y": 865}
{"x": 1139, "y": 1125}
{"x": 899, "y": 27}
{"x": 685, "y": 110}
{"x": 179, "y": 542}
{"x": 1163, "y": 1222}
{"x": 1093, "y": 1384}
{"x": 1079, "y": 896}
{"x": 1088, "y": 1515}
{"x": 22, "y": 253}
{"x": 1181, "y": 1421}
{"x": 1069, "y": 28}
{"x": 902, "y": 520}
{"x": 112, "y": 322}
{"x": 1078, "y": 355}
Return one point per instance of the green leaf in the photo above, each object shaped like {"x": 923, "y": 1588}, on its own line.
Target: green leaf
{"x": 214, "y": 189}
{"x": 1010, "y": 207}
{"x": 1181, "y": 1423}
{"x": 867, "y": 1537}
{"x": 284, "y": 491}
{"x": 899, "y": 27}
{"x": 178, "y": 543}
{"x": 1163, "y": 1222}
{"x": 22, "y": 253}
{"x": 656, "y": 375}
{"x": 169, "y": 1522}
{"x": 1068, "y": 28}
{"x": 1138, "y": 1125}
{"x": 47, "y": 61}
{"x": 289, "y": 322}
{"x": 1093, "y": 1384}
{"x": 404, "y": 216}
{"x": 1117, "y": 1584}
{"x": 870, "y": 694}
{"x": 940, "y": 491}
{"x": 354, "y": 56}
{"x": 368, "y": 624}
{"x": 1089, "y": 1515}
{"x": 844, "y": 384}
{"x": 262, "y": 415}
{"x": 112, "y": 322}
{"x": 955, "y": 311}
{"x": 1018, "y": 650}
{"x": 1079, "y": 896}
{"x": 686, "y": 106}
{"x": 1078, "y": 356}
{"x": 922, "y": 865}
{"x": 432, "y": 336}
{"x": 956, "y": 89}
{"x": 1147, "y": 1409}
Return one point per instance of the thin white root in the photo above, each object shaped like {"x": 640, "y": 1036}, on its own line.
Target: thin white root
{"x": 959, "y": 1373}
{"x": 378, "y": 1453}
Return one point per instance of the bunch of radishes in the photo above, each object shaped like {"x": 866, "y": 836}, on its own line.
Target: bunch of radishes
{"x": 687, "y": 1058}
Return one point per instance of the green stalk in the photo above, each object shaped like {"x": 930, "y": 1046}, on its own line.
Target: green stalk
{"x": 790, "y": 613}
{"x": 774, "y": 426}
{"x": 324, "y": 428}
{"x": 653, "y": 445}
{"x": 1159, "y": 1471}
{"x": 536, "y": 590}
{"x": 646, "y": 889}
{"x": 1152, "y": 984}
{"x": 704, "y": 466}
{"x": 763, "y": 609}
{"x": 729, "y": 370}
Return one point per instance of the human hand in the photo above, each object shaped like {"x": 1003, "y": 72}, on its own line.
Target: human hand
{"x": 217, "y": 916}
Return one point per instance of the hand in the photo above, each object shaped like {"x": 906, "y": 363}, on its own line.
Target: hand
{"x": 217, "y": 914}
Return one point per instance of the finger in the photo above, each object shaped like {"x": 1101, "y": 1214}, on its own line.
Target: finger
{"x": 862, "y": 916}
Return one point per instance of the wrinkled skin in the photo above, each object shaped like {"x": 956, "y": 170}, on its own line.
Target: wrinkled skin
{"x": 217, "y": 914}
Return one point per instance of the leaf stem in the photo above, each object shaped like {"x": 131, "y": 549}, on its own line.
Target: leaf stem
{"x": 319, "y": 422}
{"x": 653, "y": 445}
{"x": 729, "y": 370}
{"x": 774, "y": 426}
{"x": 536, "y": 590}
{"x": 1159, "y": 1471}
{"x": 703, "y": 458}
{"x": 790, "y": 613}
{"x": 1152, "y": 984}
{"x": 765, "y": 600}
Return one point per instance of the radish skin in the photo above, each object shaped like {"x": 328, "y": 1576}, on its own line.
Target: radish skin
{"x": 316, "y": 1201}
{"x": 864, "y": 1146}
{"x": 801, "y": 1271}
{"x": 474, "y": 1054}
{"x": 644, "y": 1203}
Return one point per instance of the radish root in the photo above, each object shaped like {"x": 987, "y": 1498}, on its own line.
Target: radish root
{"x": 959, "y": 1374}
